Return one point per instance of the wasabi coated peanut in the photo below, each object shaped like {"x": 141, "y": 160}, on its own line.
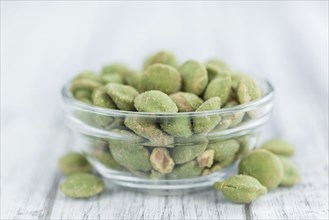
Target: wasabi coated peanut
{"x": 114, "y": 68}
{"x": 233, "y": 95}
{"x": 163, "y": 57}
{"x": 126, "y": 136}
{"x": 107, "y": 159}
{"x": 155, "y": 101}
{"x": 195, "y": 77}
{"x": 108, "y": 122}
{"x": 182, "y": 154}
{"x": 134, "y": 79}
{"x": 206, "y": 159}
{"x": 102, "y": 99}
{"x": 161, "y": 77}
{"x": 102, "y": 120}
{"x": 248, "y": 90}
{"x": 224, "y": 123}
{"x": 229, "y": 120}
{"x": 112, "y": 78}
{"x": 82, "y": 94}
{"x": 204, "y": 124}
{"x": 194, "y": 139}
{"x": 206, "y": 172}
{"x": 122, "y": 95}
{"x": 101, "y": 151}
{"x": 177, "y": 126}
{"x": 157, "y": 175}
{"x": 279, "y": 147}
{"x": 129, "y": 153}
{"x": 218, "y": 63}
{"x": 264, "y": 166}
{"x": 161, "y": 160}
{"x": 235, "y": 118}
{"x": 215, "y": 167}
{"x": 186, "y": 102}
{"x": 216, "y": 67}
{"x": 82, "y": 185}
{"x": 291, "y": 174}
{"x": 86, "y": 100}
{"x": 241, "y": 188}
{"x": 84, "y": 117}
{"x": 84, "y": 83}
{"x": 133, "y": 157}
{"x": 246, "y": 142}
{"x": 147, "y": 128}
{"x": 74, "y": 162}
{"x": 140, "y": 174}
{"x": 225, "y": 151}
{"x": 236, "y": 77}
{"x": 88, "y": 75}
{"x": 220, "y": 86}
{"x": 186, "y": 170}
{"x": 127, "y": 75}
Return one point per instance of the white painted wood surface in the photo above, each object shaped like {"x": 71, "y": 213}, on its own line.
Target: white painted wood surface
{"x": 44, "y": 44}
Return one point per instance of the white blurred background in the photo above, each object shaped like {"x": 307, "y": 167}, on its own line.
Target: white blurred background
{"x": 43, "y": 44}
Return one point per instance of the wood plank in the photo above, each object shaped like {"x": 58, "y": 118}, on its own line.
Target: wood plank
{"x": 120, "y": 203}
{"x": 29, "y": 168}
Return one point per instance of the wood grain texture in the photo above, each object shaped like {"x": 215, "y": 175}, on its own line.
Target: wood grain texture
{"x": 36, "y": 195}
{"x": 276, "y": 41}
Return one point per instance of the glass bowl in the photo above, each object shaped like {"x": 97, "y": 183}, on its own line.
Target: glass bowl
{"x": 132, "y": 149}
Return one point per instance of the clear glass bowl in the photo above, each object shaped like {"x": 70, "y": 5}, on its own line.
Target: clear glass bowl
{"x": 156, "y": 160}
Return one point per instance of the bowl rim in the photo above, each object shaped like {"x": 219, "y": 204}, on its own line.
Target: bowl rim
{"x": 68, "y": 99}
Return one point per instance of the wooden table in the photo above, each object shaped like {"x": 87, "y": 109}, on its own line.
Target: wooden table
{"x": 30, "y": 180}
{"x": 34, "y": 135}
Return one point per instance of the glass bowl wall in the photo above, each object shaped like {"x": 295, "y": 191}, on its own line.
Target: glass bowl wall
{"x": 134, "y": 149}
